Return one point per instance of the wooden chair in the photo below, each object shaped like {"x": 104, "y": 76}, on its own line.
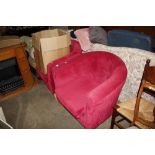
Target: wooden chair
{"x": 138, "y": 112}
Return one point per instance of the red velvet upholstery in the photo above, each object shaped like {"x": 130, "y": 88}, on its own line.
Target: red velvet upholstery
{"x": 88, "y": 85}
{"x": 48, "y": 78}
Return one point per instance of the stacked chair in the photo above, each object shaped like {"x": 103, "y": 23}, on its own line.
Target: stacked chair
{"x": 139, "y": 112}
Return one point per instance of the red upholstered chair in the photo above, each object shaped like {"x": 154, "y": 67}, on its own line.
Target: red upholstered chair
{"x": 88, "y": 85}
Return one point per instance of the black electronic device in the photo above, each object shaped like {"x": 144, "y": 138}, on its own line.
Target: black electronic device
{"x": 11, "y": 84}
{"x": 10, "y": 76}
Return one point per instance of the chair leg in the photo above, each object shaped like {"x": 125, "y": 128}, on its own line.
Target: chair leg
{"x": 114, "y": 115}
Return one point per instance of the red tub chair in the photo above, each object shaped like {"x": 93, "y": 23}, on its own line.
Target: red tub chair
{"x": 88, "y": 85}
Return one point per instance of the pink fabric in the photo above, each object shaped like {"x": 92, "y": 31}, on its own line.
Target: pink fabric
{"x": 83, "y": 38}
{"x": 87, "y": 85}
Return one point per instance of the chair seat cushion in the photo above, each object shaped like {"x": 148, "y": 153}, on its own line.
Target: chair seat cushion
{"x": 145, "y": 108}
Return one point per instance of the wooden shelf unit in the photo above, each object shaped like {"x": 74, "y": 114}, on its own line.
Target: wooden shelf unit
{"x": 18, "y": 51}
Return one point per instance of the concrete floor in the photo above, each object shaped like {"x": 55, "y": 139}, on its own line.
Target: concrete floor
{"x": 38, "y": 109}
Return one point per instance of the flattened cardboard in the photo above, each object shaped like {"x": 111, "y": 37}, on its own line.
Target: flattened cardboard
{"x": 49, "y": 44}
{"x": 53, "y": 55}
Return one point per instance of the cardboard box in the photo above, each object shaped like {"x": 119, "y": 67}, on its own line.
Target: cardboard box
{"x": 50, "y": 45}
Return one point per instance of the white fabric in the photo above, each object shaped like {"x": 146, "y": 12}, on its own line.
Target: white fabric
{"x": 3, "y": 120}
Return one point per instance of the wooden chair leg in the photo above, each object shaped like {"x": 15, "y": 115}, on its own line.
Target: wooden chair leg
{"x": 114, "y": 115}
